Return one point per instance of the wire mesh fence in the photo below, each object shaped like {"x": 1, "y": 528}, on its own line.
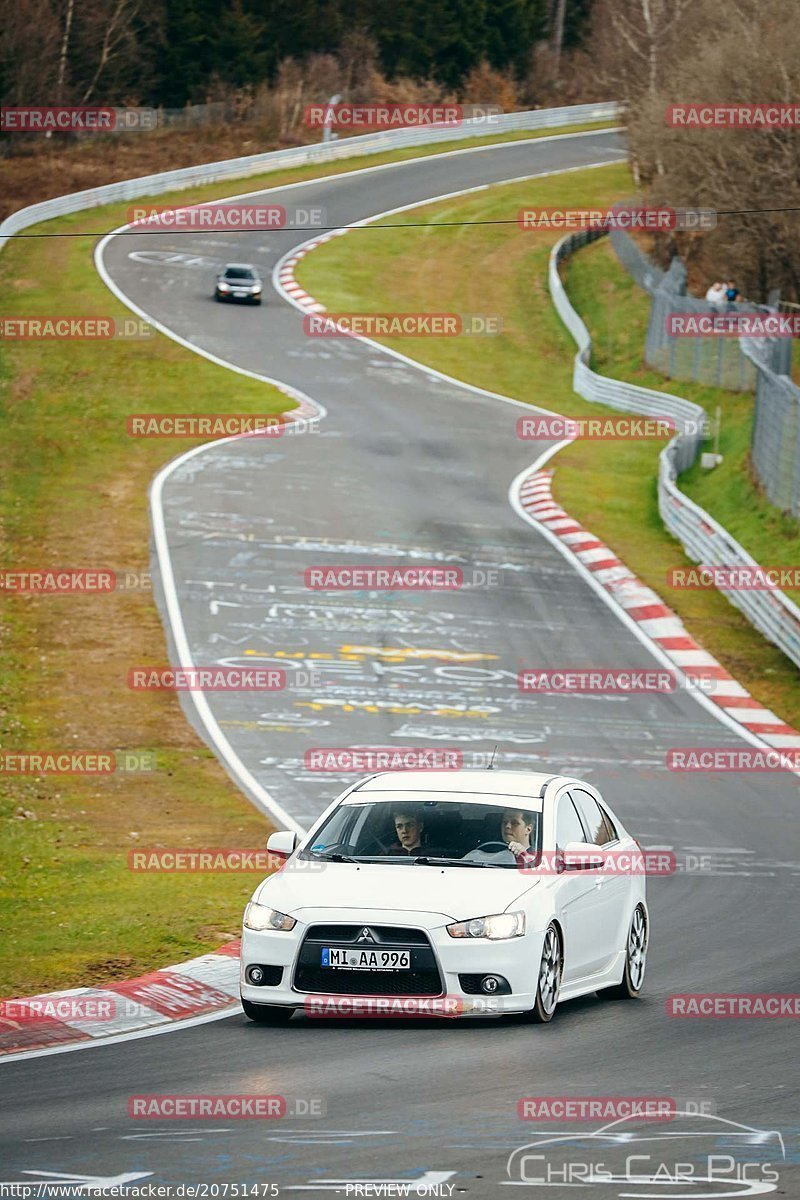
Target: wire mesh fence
{"x": 775, "y": 445}
{"x": 762, "y": 365}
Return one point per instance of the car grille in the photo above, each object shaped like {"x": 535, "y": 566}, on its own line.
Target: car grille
{"x": 422, "y": 980}
{"x": 384, "y": 935}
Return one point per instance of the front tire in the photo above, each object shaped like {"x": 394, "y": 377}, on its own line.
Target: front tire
{"x": 635, "y": 960}
{"x": 267, "y": 1014}
{"x": 548, "y": 984}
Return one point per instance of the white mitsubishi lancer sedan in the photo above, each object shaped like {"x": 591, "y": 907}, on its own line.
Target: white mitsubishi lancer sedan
{"x": 448, "y": 892}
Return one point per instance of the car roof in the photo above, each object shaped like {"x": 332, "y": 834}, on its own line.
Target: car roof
{"x": 239, "y": 266}
{"x": 520, "y": 784}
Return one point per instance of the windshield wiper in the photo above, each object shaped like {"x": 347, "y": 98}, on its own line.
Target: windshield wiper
{"x": 336, "y": 857}
{"x": 449, "y": 862}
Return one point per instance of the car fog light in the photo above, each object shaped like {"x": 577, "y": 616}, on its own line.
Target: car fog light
{"x": 255, "y": 975}
{"x": 489, "y": 984}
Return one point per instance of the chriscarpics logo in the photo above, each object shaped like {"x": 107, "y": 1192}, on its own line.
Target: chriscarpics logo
{"x": 694, "y": 1154}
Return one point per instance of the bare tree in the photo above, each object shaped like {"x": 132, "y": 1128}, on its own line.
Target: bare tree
{"x": 558, "y": 33}
{"x": 64, "y": 51}
{"x": 115, "y": 21}
{"x": 751, "y": 177}
{"x": 29, "y": 36}
{"x": 635, "y": 42}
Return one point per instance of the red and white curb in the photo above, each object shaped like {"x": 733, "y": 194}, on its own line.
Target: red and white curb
{"x": 195, "y": 988}
{"x": 286, "y": 273}
{"x": 651, "y": 614}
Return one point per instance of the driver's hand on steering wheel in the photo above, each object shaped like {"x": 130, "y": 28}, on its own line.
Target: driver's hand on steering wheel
{"x": 517, "y": 848}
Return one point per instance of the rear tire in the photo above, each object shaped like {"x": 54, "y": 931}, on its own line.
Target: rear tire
{"x": 548, "y": 985}
{"x": 635, "y": 960}
{"x": 267, "y": 1014}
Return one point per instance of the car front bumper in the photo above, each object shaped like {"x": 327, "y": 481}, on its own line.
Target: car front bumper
{"x": 247, "y": 298}
{"x": 515, "y": 960}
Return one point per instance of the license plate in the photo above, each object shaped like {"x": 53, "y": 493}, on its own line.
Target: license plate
{"x": 347, "y": 958}
{"x": 240, "y": 295}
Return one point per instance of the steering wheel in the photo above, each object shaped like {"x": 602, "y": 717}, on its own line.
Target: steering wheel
{"x": 492, "y": 847}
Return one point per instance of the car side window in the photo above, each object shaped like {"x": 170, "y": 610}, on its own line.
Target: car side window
{"x": 613, "y": 836}
{"x": 568, "y": 824}
{"x": 593, "y": 818}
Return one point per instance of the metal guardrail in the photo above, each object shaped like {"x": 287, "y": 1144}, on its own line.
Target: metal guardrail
{"x": 704, "y": 539}
{"x": 320, "y": 152}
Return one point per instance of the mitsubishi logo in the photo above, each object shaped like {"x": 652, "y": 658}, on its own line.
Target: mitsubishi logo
{"x": 366, "y": 935}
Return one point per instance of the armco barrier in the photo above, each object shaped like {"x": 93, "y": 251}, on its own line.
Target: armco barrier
{"x": 704, "y": 539}
{"x": 320, "y": 152}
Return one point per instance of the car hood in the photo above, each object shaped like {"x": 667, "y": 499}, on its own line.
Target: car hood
{"x": 455, "y": 892}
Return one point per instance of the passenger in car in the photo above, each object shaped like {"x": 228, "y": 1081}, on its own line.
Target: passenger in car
{"x": 410, "y": 829}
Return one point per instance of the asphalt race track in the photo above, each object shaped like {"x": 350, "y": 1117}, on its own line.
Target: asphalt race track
{"x": 410, "y": 468}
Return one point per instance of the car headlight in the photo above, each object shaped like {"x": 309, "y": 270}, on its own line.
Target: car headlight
{"x": 504, "y": 925}
{"x": 259, "y": 917}
{"x": 257, "y": 289}
{"x": 223, "y": 287}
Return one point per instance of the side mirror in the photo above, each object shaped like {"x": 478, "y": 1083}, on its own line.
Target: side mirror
{"x": 583, "y": 856}
{"x": 282, "y": 843}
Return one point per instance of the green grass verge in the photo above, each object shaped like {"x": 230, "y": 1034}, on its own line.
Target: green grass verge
{"x": 609, "y": 486}
{"x": 74, "y": 494}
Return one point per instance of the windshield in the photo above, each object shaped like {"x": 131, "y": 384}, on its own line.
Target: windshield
{"x": 239, "y": 273}
{"x": 449, "y": 832}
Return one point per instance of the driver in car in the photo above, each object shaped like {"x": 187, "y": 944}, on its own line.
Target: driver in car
{"x": 516, "y": 828}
